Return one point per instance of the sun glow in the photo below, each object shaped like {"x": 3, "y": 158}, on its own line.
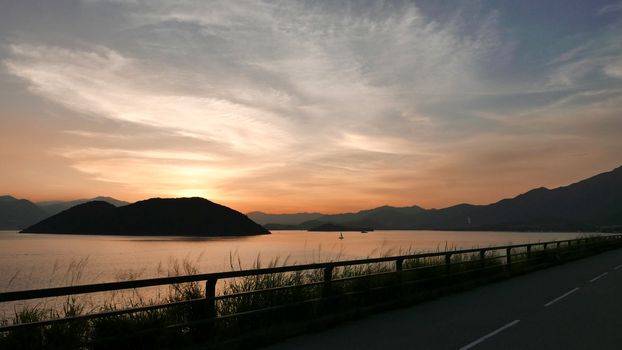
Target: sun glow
{"x": 307, "y": 106}
{"x": 195, "y": 192}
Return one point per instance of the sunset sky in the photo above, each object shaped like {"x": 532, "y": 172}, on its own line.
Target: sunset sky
{"x": 307, "y": 106}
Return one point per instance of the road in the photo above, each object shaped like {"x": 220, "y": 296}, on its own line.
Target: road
{"x": 577, "y": 305}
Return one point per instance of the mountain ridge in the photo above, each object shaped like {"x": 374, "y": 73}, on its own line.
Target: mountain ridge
{"x": 17, "y": 213}
{"x": 594, "y": 203}
{"x": 156, "y": 216}
{"x": 55, "y": 207}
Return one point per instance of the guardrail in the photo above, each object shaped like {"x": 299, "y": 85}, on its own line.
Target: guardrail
{"x": 208, "y": 303}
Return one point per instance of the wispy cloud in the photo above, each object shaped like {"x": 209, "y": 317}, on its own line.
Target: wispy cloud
{"x": 610, "y": 8}
{"x": 356, "y": 100}
{"x": 614, "y": 68}
{"x": 103, "y": 83}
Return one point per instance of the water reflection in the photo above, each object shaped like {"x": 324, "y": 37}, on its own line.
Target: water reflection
{"x": 36, "y": 261}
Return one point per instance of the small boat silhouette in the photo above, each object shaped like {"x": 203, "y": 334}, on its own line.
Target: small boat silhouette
{"x": 340, "y": 235}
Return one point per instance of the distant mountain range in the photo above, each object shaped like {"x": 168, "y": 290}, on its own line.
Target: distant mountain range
{"x": 153, "y": 217}
{"x": 285, "y": 219}
{"x": 594, "y": 204}
{"x": 371, "y": 218}
{"x": 15, "y": 214}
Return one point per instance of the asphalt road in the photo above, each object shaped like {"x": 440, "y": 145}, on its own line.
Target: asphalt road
{"x": 577, "y": 305}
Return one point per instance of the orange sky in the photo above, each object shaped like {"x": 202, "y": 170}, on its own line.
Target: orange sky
{"x": 307, "y": 106}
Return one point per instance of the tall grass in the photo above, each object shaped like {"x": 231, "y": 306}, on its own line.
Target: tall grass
{"x": 73, "y": 335}
{"x": 351, "y": 287}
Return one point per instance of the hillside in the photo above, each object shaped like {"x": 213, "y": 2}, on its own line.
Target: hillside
{"x": 178, "y": 216}
{"x": 593, "y": 204}
{"x": 18, "y": 213}
{"x": 366, "y": 218}
{"x": 283, "y": 219}
{"x": 55, "y": 207}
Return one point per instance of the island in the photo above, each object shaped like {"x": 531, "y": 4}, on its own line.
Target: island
{"x": 152, "y": 217}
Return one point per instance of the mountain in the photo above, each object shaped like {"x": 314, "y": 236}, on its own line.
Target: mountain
{"x": 594, "y": 204}
{"x": 15, "y": 214}
{"x": 330, "y": 227}
{"x": 591, "y": 204}
{"x": 18, "y": 213}
{"x": 55, "y": 207}
{"x": 284, "y": 219}
{"x": 307, "y": 220}
{"x": 156, "y": 216}
{"x": 381, "y": 217}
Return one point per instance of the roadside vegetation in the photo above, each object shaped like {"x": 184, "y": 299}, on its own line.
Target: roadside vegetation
{"x": 273, "y": 304}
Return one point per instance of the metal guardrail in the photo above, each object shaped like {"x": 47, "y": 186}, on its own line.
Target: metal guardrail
{"x": 211, "y": 279}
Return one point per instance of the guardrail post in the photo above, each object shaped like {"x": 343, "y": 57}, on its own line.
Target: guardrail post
{"x": 328, "y": 277}
{"x": 398, "y": 269}
{"x": 398, "y": 264}
{"x": 210, "y": 297}
{"x": 482, "y": 257}
{"x": 447, "y": 262}
{"x": 508, "y": 256}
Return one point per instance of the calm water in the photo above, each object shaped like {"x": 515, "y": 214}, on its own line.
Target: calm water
{"x": 35, "y": 261}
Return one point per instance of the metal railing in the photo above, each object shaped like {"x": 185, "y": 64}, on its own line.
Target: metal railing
{"x": 208, "y": 303}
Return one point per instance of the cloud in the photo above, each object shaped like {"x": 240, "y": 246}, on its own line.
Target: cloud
{"x": 614, "y": 68}
{"x": 106, "y": 84}
{"x": 268, "y": 82}
{"x": 307, "y": 101}
{"x": 610, "y": 8}
{"x": 592, "y": 60}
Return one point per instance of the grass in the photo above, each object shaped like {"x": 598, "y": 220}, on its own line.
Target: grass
{"x": 68, "y": 335}
{"x": 352, "y": 287}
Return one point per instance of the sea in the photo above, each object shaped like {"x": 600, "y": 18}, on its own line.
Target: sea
{"x": 32, "y": 261}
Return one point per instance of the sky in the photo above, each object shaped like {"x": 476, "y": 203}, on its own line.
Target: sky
{"x": 289, "y": 106}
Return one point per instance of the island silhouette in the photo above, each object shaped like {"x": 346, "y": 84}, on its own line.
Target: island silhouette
{"x": 154, "y": 217}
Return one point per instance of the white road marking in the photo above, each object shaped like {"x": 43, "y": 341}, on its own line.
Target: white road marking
{"x": 598, "y": 277}
{"x": 618, "y": 267}
{"x": 560, "y": 297}
{"x": 470, "y": 345}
